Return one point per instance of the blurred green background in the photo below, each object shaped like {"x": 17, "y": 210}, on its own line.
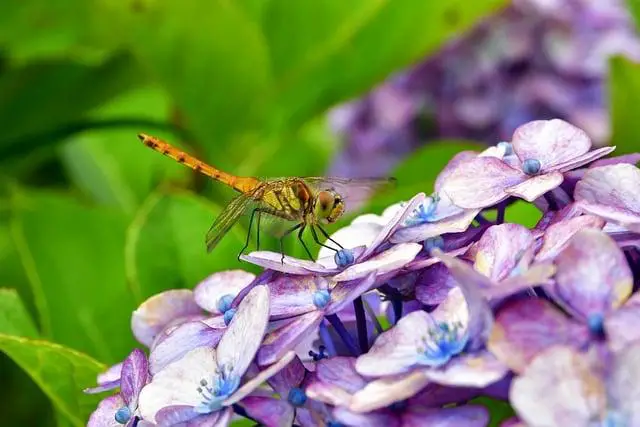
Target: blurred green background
{"x": 92, "y": 222}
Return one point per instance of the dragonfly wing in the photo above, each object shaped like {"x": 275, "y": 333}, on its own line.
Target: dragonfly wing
{"x": 354, "y": 191}
{"x": 227, "y": 218}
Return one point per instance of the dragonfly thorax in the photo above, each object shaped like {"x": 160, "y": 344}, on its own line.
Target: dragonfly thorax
{"x": 328, "y": 206}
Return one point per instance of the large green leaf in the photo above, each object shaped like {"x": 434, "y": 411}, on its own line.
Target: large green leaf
{"x": 634, "y": 7}
{"x": 166, "y": 244}
{"x": 74, "y": 258}
{"x": 14, "y": 318}
{"x": 624, "y": 89}
{"x": 60, "y": 372}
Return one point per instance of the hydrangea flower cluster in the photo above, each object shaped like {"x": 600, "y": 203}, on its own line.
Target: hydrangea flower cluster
{"x": 545, "y": 318}
{"x": 537, "y": 59}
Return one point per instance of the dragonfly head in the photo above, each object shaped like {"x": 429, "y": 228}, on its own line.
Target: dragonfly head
{"x": 328, "y": 206}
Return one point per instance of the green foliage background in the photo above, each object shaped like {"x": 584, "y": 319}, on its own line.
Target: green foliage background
{"x": 92, "y": 222}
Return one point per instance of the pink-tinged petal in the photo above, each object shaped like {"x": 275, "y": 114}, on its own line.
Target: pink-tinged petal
{"x": 559, "y": 388}
{"x": 358, "y": 233}
{"x": 420, "y": 264}
{"x": 104, "y": 415}
{"x": 293, "y": 295}
{"x": 581, "y": 160}
{"x": 106, "y": 386}
{"x": 135, "y": 374}
{"x": 557, "y": 235}
{"x": 620, "y": 326}
{"x": 525, "y": 328}
{"x": 208, "y": 292}
{"x": 269, "y": 411}
{"x": 481, "y": 182}
{"x": 394, "y": 224}
{"x": 289, "y": 377}
{"x": 344, "y": 293}
{"x": 454, "y": 224}
{"x": 182, "y": 340}
{"x": 396, "y": 350}
{"x": 512, "y": 422}
{"x": 287, "y": 337}
{"x": 159, "y": 310}
{"x": 433, "y": 285}
{"x": 255, "y": 382}
{"x": 273, "y": 261}
{"x": 615, "y": 186}
{"x": 535, "y": 186}
{"x": 107, "y": 380}
{"x": 178, "y": 415}
{"x": 624, "y": 387}
{"x": 499, "y": 249}
{"x": 457, "y": 160}
{"x": 479, "y": 369}
{"x": 390, "y": 260}
{"x": 335, "y": 381}
{"x": 221, "y": 418}
{"x": 372, "y": 419}
{"x": 383, "y": 392}
{"x": 538, "y": 274}
{"x": 241, "y": 340}
{"x": 468, "y": 416}
{"x": 624, "y": 219}
{"x": 632, "y": 159}
{"x": 593, "y": 276}
{"x": 550, "y": 142}
{"x": 177, "y": 383}
{"x": 326, "y": 265}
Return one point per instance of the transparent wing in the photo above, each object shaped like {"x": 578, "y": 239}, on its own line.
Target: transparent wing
{"x": 227, "y": 218}
{"x": 354, "y": 191}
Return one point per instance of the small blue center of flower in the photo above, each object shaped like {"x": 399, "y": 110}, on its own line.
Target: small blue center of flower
{"x": 344, "y": 257}
{"x": 424, "y": 212}
{"x": 531, "y": 166}
{"x": 321, "y": 354}
{"x": 228, "y": 315}
{"x": 297, "y": 397}
{"x": 123, "y": 415}
{"x": 334, "y": 424}
{"x": 224, "y": 303}
{"x": 224, "y": 384}
{"x": 613, "y": 419}
{"x": 595, "y": 321}
{"x": 507, "y": 147}
{"x": 433, "y": 242}
{"x": 442, "y": 343}
{"x": 321, "y": 298}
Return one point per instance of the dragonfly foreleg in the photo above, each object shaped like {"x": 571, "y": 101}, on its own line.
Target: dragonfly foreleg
{"x": 259, "y": 211}
{"x": 285, "y": 234}
{"x": 322, "y": 230}
{"x": 315, "y": 238}
{"x": 304, "y": 245}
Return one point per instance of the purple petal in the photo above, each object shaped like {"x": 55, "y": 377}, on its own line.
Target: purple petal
{"x": 390, "y": 260}
{"x": 107, "y": 380}
{"x": 454, "y": 224}
{"x": 557, "y": 235}
{"x": 619, "y": 329}
{"x": 372, "y": 419}
{"x": 221, "y": 418}
{"x": 104, "y": 415}
{"x": 182, "y": 340}
{"x": 135, "y": 374}
{"x": 632, "y": 159}
{"x": 359, "y": 234}
{"x": 241, "y": 340}
{"x": 273, "y": 261}
{"x": 177, "y": 414}
{"x": 293, "y": 295}
{"x": 159, "y": 310}
{"x": 499, "y": 249}
{"x": 558, "y": 388}
{"x": 436, "y": 395}
{"x": 537, "y": 274}
{"x": 581, "y": 160}
{"x": 593, "y": 276}
{"x": 394, "y": 224}
{"x": 468, "y": 416}
{"x": 344, "y": 293}
{"x": 289, "y": 377}
{"x": 383, "y": 392}
{"x": 624, "y": 218}
{"x": 481, "y": 182}
{"x": 269, "y": 411}
{"x": 551, "y": 142}
{"x": 453, "y": 164}
{"x": 335, "y": 381}
{"x": 512, "y": 422}
{"x": 615, "y": 186}
{"x": 208, "y": 292}
{"x": 525, "y": 328}
{"x": 433, "y": 285}
{"x": 281, "y": 340}
{"x": 624, "y": 387}
{"x": 478, "y": 369}
{"x": 109, "y": 385}
{"x": 535, "y": 186}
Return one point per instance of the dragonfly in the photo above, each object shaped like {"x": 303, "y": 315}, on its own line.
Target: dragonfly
{"x": 302, "y": 202}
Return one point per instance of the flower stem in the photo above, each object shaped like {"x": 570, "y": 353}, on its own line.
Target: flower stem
{"x": 396, "y": 303}
{"x": 551, "y": 200}
{"x": 361, "y": 322}
{"x": 325, "y": 336}
{"x": 344, "y": 334}
{"x": 500, "y": 214}
{"x": 374, "y": 319}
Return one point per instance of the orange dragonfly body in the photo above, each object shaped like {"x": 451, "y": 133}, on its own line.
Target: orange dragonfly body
{"x": 307, "y": 202}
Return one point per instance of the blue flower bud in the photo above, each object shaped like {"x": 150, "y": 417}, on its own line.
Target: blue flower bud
{"x": 224, "y": 303}
{"x": 507, "y": 147}
{"x": 344, "y": 257}
{"x": 297, "y": 397}
{"x": 228, "y": 315}
{"x": 596, "y": 323}
{"x": 123, "y": 415}
{"x": 433, "y": 242}
{"x": 321, "y": 298}
{"x": 531, "y": 166}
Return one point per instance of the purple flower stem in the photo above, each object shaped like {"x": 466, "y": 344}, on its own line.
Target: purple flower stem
{"x": 325, "y": 336}
{"x": 500, "y": 214}
{"x": 239, "y": 410}
{"x": 396, "y": 304}
{"x": 344, "y": 334}
{"x": 373, "y": 318}
{"x": 361, "y": 323}
{"x": 551, "y": 200}
{"x": 482, "y": 220}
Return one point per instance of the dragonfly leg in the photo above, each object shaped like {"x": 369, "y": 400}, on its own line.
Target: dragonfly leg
{"x": 258, "y": 230}
{"x": 286, "y": 233}
{"x": 259, "y": 211}
{"x": 322, "y": 230}
{"x": 304, "y": 245}
{"x": 246, "y": 243}
{"x": 315, "y": 239}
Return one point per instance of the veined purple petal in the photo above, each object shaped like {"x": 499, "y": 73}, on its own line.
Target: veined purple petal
{"x": 433, "y": 285}
{"x": 269, "y": 411}
{"x": 581, "y": 160}
{"x": 499, "y": 248}
{"x": 454, "y": 224}
{"x": 457, "y": 160}
{"x": 107, "y": 380}
{"x": 624, "y": 388}
{"x": 159, "y": 310}
{"x": 286, "y": 337}
{"x": 207, "y": 294}
{"x": 293, "y": 295}
{"x": 289, "y": 377}
{"x": 551, "y": 142}
{"x": 177, "y": 415}
{"x": 615, "y": 186}
{"x": 221, "y": 418}
{"x": 382, "y": 418}
{"x": 382, "y": 392}
{"x": 390, "y": 260}
{"x": 477, "y": 369}
{"x": 135, "y": 374}
{"x": 344, "y": 293}
{"x": 557, "y": 235}
{"x": 340, "y": 372}
{"x": 559, "y": 387}
{"x": 535, "y": 186}
{"x": 618, "y": 326}
{"x": 273, "y": 261}
{"x": 538, "y": 274}
{"x": 241, "y": 340}
{"x": 525, "y": 328}
{"x": 357, "y": 234}
{"x": 467, "y": 415}
{"x": 593, "y": 276}
{"x": 481, "y": 182}
{"x": 104, "y": 415}
{"x": 632, "y": 159}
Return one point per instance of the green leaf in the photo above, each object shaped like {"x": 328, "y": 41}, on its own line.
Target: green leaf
{"x": 624, "y": 89}
{"x": 499, "y": 410}
{"x": 74, "y": 258}
{"x": 523, "y": 213}
{"x": 60, "y": 372}
{"x": 634, "y": 8}
{"x": 165, "y": 245}
{"x": 14, "y": 318}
